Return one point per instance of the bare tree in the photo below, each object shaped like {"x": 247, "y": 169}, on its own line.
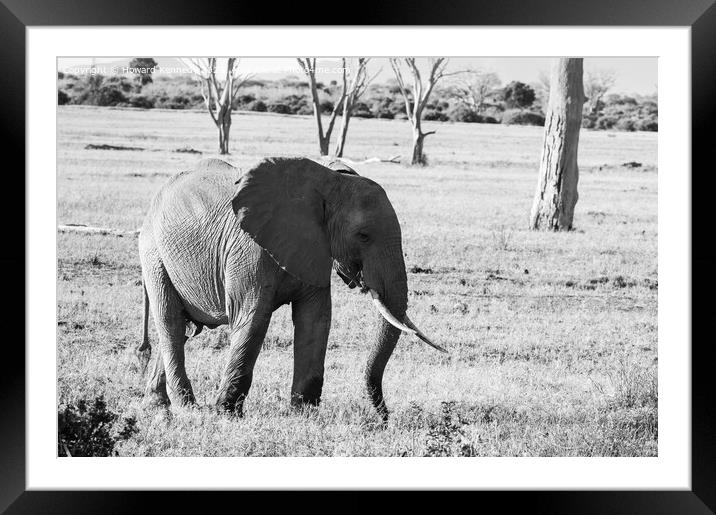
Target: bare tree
{"x": 354, "y": 87}
{"x": 218, "y": 96}
{"x": 308, "y": 65}
{"x": 556, "y": 196}
{"x": 596, "y": 84}
{"x": 421, "y": 90}
{"x": 541, "y": 87}
{"x": 474, "y": 87}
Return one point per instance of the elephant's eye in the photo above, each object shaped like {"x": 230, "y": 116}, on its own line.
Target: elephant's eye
{"x": 363, "y": 237}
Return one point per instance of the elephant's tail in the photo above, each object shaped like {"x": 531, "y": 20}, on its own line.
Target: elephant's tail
{"x": 144, "y": 350}
{"x": 145, "y": 321}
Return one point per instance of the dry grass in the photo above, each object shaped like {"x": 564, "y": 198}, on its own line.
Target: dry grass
{"x": 553, "y": 337}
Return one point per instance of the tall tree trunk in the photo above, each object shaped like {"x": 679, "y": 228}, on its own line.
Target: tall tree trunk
{"x": 344, "y": 130}
{"x": 323, "y": 143}
{"x": 556, "y": 196}
{"x": 224, "y": 125}
{"x": 418, "y": 139}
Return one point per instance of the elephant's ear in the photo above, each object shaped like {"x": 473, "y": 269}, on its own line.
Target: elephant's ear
{"x": 280, "y": 206}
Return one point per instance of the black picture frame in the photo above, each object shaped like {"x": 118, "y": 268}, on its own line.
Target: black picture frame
{"x": 700, "y": 15}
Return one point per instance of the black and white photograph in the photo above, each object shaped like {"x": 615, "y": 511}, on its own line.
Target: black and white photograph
{"x": 400, "y": 256}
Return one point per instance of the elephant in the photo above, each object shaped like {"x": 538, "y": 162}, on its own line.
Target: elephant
{"x": 222, "y": 247}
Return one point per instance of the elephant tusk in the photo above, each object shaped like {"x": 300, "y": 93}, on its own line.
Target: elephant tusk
{"x": 420, "y": 334}
{"x": 383, "y": 310}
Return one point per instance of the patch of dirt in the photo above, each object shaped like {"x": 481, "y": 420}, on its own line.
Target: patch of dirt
{"x": 92, "y": 146}
{"x": 187, "y": 150}
{"x": 617, "y": 282}
{"x": 415, "y": 269}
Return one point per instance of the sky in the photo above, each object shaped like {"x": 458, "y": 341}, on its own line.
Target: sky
{"x": 634, "y": 75}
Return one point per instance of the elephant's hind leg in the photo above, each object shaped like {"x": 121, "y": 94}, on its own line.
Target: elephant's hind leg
{"x": 168, "y": 376}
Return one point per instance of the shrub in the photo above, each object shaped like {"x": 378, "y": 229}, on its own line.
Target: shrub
{"x": 326, "y": 106}
{"x": 91, "y": 430}
{"x": 434, "y": 115}
{"x": 518, "y": 94}
{"x": 141, "y": 101}
{"x": 626, "y": 124}
{"x": 107, "y": 95}
{"x": 120, "y": 82}
{"x": 175, "y": 102}
{"x": 647, "y": 125}
{"x": 606, "y": 122}
{"x": 257, "y": 105}
{"x": 462, "y": 113}
{"x": 387, "y": 107}
{"x": 62, "y": 97}
{"x": 276, "y": 107}
{"x": 517, "y": 117}
{"x": 296, "y": 104}
{"x": 588, "y": 122}
{"x": 247, "y": 99}
{"x": 361, "y": 110}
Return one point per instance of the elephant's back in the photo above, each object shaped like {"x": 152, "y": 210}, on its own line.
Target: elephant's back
{"x": 195, "y": 192}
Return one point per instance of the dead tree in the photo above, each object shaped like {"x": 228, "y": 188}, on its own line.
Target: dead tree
{"x": 474, "y": 87}
{"x": 596, "y": 84}
{"x": 308, "y": 65}
{"x": 354, "y": 88}
{"x": 421, "y": 90}
{"x": 218, "y": 96}
{"x": 556, "y": 196}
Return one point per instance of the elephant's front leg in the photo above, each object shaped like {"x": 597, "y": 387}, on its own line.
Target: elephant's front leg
{"x": 246, "y": 339}
{"x": 312, "y": 323}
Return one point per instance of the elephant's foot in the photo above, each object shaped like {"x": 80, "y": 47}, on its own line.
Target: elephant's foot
{"x": 155, "y": 399}
{"x": 182, "y": 396}
{"x": 232, "y": 394}
{"x": 232, "y": 408}
{"x": 307, "y": 393}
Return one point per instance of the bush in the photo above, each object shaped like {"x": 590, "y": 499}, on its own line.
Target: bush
{"x": 276, "y": 107}
{"x": 120, "y": 82}
{"x": 626, "y": 124}
{"x": 386, "y": 107}
{"x": 518, "y": 94}
{"x": 107, "y": 95}
{"x": 62, "y": 98}
{"x": 175, "y": 102}
{"x": 326, "y": 107}
{"x": 588, "y": 122}
{"x": 361, "y": 110}
{"x": 243, "y": 100}
{"x": 257, "y": 105}
{"x": 606, "y": 122}
{"x": 647, "y": 125}
{"x": 462, "y": 113}
{"x": 141, "y": 101}
{"x": 517, "y": 117}
{"x": 91, "y": 430}
{"x": 434, "y": 115}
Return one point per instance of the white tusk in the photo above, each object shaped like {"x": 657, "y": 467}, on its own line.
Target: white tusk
{"x": 383, "y": 310}
{"x": 420, "y": 334}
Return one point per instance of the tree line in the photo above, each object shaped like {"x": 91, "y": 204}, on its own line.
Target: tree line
{"x": 570, "y": 101}
{"x": 464, "y": 96}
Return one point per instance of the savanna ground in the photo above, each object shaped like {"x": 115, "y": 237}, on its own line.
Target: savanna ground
{"x": 552, "y": 337}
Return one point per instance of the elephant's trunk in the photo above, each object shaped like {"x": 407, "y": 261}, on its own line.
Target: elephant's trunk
{"x": 385, "y": 340}
{"x": 386, "y": 278}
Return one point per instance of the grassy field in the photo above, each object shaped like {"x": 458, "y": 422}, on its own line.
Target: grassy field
{"x": 553, "y": 337}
